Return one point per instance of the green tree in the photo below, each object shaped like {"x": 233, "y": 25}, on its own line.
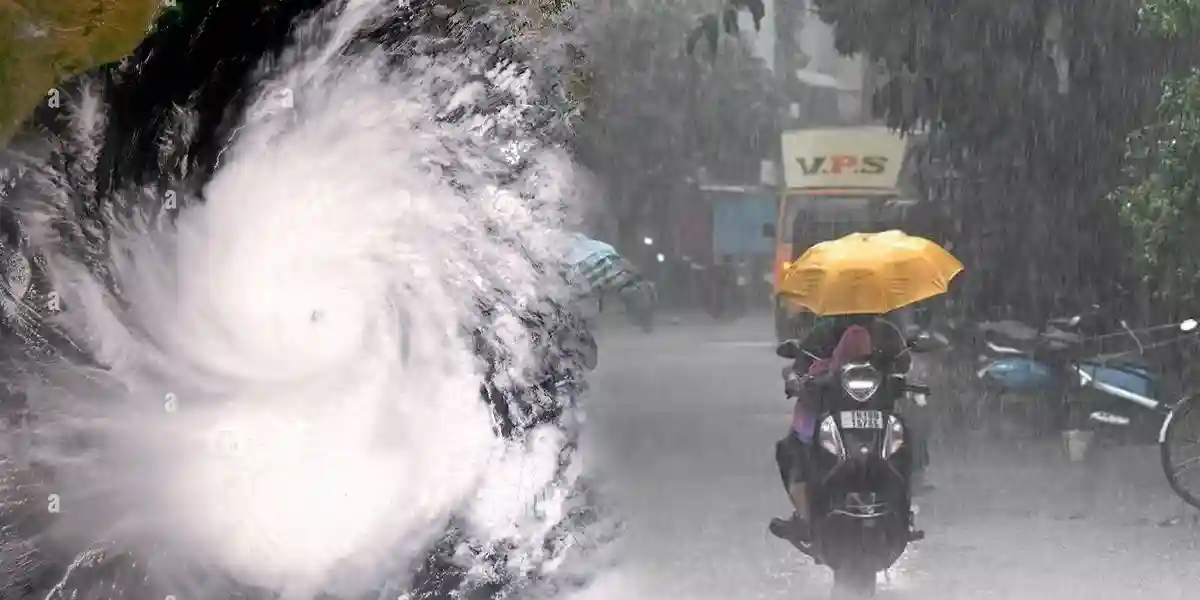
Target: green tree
{"x": 710, "y": 25}
{"x": 1161, "y": 203}
{"x": 1027, "y": 104}
{"x": 656, "y": 115}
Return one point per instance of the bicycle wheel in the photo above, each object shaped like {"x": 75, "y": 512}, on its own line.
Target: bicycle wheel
{"x": 1179, "y": 446}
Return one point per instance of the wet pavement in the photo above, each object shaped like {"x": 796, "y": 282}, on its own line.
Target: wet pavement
{"x": 682, "y": 427}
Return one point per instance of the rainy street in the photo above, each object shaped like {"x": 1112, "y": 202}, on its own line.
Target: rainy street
{"x": 683, "y": 425}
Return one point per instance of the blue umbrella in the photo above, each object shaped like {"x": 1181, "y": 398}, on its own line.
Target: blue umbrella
{"x": 597, "y": 267}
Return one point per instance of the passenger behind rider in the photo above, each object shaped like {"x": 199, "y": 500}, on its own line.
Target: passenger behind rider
{"x": 832, "y": 342}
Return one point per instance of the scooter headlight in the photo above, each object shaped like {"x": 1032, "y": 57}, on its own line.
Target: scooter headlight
{"x": 830, "y": 438}
{"x": 860, "y": 381}
{"x": 893, "y": 437}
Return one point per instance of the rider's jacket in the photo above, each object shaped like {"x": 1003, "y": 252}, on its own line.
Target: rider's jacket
{"x": 887, "y": 340}
{"x": 829, "y": 343}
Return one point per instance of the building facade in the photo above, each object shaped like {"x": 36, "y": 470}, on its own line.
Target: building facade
{"x": 824, "y": 87}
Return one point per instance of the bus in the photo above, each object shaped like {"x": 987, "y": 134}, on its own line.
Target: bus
{"x": 837, "y": 181}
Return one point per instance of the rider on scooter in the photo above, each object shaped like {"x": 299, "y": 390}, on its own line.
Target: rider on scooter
{"x": 843, "y": 338}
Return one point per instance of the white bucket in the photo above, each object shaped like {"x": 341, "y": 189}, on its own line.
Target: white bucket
{"x": 1077, "y": 443}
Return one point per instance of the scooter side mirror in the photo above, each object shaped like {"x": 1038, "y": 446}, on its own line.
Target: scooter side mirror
{"x": 789, "y": 349}
{"x": 1189, "y": 325}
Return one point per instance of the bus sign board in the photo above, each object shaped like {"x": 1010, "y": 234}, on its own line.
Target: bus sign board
{"x": 845, "y": 158}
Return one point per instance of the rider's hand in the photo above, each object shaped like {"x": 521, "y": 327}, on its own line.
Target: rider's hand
{"x": 793, "y": 384}
{"x": 814, "y": 383}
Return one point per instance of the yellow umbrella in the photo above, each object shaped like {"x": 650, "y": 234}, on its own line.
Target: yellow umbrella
{"x": 868, "y": 273}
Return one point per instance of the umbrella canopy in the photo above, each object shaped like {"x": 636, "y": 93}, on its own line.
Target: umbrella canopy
{"x": 595, "y": 266}
{"x": 868, "y": 273}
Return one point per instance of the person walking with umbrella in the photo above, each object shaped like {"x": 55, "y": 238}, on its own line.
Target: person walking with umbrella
{"x": 595, "y": 269}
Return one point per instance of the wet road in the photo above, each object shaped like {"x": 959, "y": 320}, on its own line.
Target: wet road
{"x": 682, "y": 427}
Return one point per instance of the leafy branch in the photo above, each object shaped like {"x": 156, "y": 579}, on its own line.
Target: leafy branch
{"x": 710, "y": 25}
{"x": 1161, "y": 204}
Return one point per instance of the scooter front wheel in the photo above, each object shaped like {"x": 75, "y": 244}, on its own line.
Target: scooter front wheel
{"x": 852, "y": 582}
{"x": 1179, "y": 447}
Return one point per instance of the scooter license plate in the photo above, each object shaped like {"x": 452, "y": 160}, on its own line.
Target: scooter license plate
{"x": 862, "y": 419}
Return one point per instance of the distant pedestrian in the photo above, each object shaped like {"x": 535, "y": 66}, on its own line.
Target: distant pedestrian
{"x": 724, "y": 288}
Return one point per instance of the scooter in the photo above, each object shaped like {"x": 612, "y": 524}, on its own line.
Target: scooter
{"x": 1025, "y": 373}
{"x": 860, "y": 496}
{"x": 1096, "y": 394}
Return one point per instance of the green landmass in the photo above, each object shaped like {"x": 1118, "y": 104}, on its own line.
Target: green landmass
{"x": 43, "y": 42}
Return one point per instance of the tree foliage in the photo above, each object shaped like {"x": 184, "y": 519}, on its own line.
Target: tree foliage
{"x": 1027, "y": 103}
{"x": 656, "y": 115}
{"x": 1161, "y": 203}
{"x": 1172, "y": 19}
{"x": 709, "y": 26}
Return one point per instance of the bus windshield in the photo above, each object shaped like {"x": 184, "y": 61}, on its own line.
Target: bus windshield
{"x": 812, "y": 218}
